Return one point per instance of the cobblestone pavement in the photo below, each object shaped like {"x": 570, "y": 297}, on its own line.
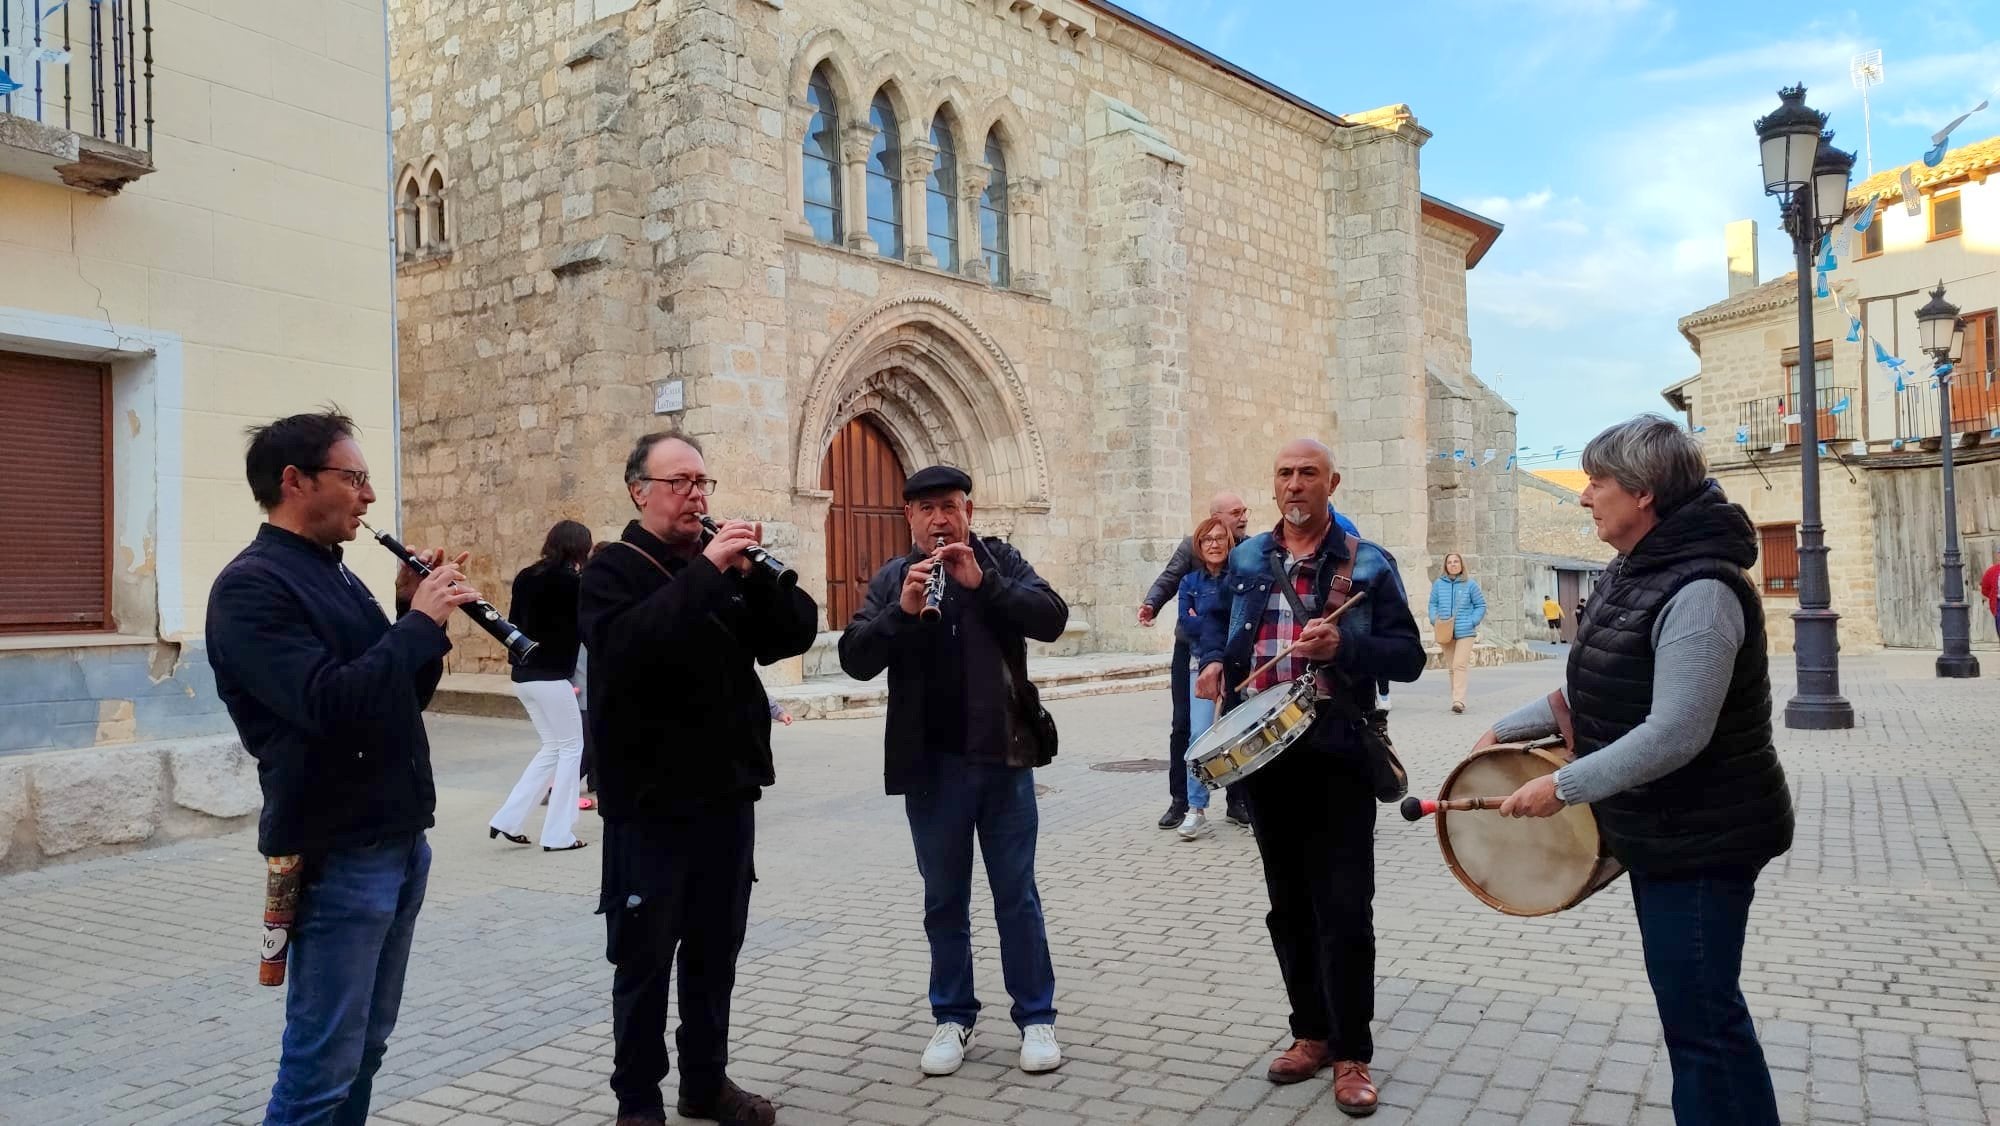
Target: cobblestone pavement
{"x": 127, "y": 988}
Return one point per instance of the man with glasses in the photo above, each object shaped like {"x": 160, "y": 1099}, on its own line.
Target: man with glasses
{"x": 682, "y": 732}
{"x": 329, "y": 698}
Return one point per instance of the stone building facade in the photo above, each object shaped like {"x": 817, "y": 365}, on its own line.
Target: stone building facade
{"x": 1047, "y": 241}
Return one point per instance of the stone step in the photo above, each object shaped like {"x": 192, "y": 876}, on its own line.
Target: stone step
{"x": 835, "y": 696}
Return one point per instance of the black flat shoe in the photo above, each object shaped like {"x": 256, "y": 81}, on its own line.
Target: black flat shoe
{"x": 1171, "y": 819}
{"x": 491, "y": 833}
{"x": 565, "y": 848}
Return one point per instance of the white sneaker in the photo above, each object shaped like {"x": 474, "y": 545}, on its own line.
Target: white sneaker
{"x": 1039, "y": 1050}
{"x": 947, "y": 1049}
{"x": 1195, "y": 825}
{"x": 1382, "y": 703}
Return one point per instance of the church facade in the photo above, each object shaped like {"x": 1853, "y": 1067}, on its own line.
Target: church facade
{"x": 1102, "y": 270}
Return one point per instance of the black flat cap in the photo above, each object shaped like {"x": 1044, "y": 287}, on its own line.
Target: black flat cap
{"x": 936, "y": 479}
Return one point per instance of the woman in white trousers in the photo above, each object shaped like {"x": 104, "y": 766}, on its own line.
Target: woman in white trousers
{"x": 544, "y": 606}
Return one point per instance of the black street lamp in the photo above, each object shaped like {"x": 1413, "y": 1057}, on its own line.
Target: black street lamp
{"x": 1809, "y": 176}
{"x": 1943, "y": 336}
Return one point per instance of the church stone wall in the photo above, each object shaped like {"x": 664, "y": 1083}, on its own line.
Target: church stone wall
{"x": 1202, "y": 270}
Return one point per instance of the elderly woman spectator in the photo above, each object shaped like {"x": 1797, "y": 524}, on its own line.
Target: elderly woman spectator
{"x": 1668, "y": 692}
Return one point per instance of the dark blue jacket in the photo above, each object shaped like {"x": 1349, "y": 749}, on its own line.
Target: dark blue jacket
{"x": 1197, "y": 595}
{"x": 326, "y": 694}
{"x": 1378, "y": 638}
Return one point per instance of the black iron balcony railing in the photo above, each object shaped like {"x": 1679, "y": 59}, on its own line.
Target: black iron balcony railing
{"x": 1975, "y": 405}
{"x": 81, "y": 65}
{"x": 1764, "y": 423}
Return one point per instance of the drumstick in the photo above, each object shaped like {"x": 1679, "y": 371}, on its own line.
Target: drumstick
{"x": 1286, "y": 651}
{"x": 1415, "y": 808}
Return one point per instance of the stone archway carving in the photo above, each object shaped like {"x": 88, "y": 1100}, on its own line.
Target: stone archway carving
{"x": 942, "y": 390}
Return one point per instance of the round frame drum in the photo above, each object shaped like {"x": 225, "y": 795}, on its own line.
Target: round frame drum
{"x": 1253, "y": 734}
{"x": 1526, "y": 865}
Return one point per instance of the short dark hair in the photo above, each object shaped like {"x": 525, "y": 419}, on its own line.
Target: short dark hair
{"x": 635, "y": 462}
{"x": 300, "y": 439}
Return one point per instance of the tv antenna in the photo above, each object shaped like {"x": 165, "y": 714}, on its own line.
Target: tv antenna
{"x": 1866, "y": 71}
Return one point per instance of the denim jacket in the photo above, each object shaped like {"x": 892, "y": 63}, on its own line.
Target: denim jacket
{"x": 1198, "y": 592}
{"x": 1378, "y": 638}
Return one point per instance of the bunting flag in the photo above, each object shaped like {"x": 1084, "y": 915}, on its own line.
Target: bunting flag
{"x": 1912, "y": 205}
{"x": 1743, "y": 435}
{"x": 1510, "y": 461}
{"x": 1699, "y": 430}
{"x": 1822, "y": 449}
{"x": 1893, "y": 363}
{"x": 1899, "y": 381}
{"x": 1942, "y": 138}
{"x": 1866, "y": 217}
{"x": 7, "y": 83}
{"x": 1821, "y": 291}
{"x": 1839, "y": 407}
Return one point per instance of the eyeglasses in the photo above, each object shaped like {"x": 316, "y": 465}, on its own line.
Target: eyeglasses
{"x": 355, "y": 477}
{"x": 1225, "y": 540}
{"x": 679, "y": 486}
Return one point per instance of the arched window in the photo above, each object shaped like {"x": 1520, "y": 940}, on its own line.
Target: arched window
{"x": 409, "y": 236}
{"x": 885, "y": 180}
{"x": 822, "y": 160}
{"x": 993, "y": 212}
{"x": 436, "y": 232}
{"x": 941, "y": 196}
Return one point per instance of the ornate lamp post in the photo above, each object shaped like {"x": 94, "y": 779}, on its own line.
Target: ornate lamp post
{"x": 1943, "y": 336}
{"x": 1809, "y": 177}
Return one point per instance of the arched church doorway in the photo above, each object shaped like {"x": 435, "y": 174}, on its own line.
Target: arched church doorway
{"x": 864, "y": 526}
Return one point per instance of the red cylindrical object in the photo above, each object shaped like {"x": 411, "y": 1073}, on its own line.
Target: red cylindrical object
{"x": 281, "y": 905}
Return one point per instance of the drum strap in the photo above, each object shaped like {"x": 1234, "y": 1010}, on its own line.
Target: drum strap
{"x": 1337, "y": 592}
{"x": 1565, "y": 725}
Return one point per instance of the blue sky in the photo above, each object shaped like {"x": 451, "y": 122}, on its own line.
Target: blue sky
{"x": 1614, "y": 139}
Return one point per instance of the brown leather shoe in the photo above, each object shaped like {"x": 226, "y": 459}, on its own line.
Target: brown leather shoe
{"x": 1353, "y": 1091}
{"x": 1300, "y": 1062}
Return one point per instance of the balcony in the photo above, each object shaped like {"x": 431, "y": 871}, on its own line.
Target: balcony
{"x": 1763, "y": 424}
{"x": 76, "y": 103}
{"x": 1975, "y": 406}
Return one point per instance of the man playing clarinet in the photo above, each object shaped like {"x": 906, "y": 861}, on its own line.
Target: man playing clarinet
{"x": 329, "y": 697}
{"x": 949, "y": 620}
{"x": 1313, "y": 809}
{"x": 676, "y": 624}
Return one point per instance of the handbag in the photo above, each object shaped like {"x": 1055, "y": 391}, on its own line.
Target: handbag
{"x": 1447, "y": 631}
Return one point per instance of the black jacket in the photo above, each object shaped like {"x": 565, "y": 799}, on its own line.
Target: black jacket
{"x": 678, "y": 718}
{"x": 543, "y": 605}
{"x": 326, "y": 694}
{"x": 1729, "y": 806}
{"x": 932, "y": 672}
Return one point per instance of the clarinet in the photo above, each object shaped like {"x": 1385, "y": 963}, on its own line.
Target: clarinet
{"x": 934, "y": 588}
{"x": 786, "y": 577}
{"x": 518, "y": 644}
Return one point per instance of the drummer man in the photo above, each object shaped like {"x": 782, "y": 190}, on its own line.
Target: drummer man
{"x": 1313, "y": 810}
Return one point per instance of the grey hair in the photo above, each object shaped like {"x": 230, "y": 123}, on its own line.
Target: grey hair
{"x": 1649, "y": 454}
{"x": 635, "y": 462}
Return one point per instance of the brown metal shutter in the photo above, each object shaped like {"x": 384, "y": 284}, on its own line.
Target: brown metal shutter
{"x": 55, "y": 496}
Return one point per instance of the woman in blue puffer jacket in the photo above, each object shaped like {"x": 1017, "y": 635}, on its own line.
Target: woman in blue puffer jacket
{"x": 1457, "y": 608}
{"x": 1199, "y": 590}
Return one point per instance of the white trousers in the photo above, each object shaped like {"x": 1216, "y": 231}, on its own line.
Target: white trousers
{"x": 552, "y": 705}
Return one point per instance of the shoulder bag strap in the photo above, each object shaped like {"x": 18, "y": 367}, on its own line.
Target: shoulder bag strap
{"x": 643, "y": 555}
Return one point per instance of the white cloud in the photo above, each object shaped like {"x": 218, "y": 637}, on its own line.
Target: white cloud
{"x": 1797, "y": 57}
{"x": 1502, "y": 207}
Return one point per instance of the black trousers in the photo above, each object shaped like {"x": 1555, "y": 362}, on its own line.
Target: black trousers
{"x": 1314, "y": 819}
{"x": 1181, "y": 683}
{"x": 701, "y": 870}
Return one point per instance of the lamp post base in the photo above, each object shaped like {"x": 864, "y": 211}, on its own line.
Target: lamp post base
{"x": 1819, "y": 713}
{"x": 1955, "y": 666}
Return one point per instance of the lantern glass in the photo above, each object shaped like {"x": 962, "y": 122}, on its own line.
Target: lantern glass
{"x": 1935, "y": 332}
{"x": 1958, "y": 342}
{"x": 1788, "y": 160}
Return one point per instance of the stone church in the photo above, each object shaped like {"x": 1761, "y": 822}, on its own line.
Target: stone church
{"x": 1103, "y": 270}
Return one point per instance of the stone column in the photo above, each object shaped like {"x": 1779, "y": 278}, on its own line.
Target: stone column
{"x": 1138, "y": 332}
{"x": 1377, "y": 370}
{"x": 1025, "y": 206}
{"x": 798, "y": 120}
{"x": 973, "y": 177}
{"x": 855, "y": 139}
{"x": 918, "y": 158}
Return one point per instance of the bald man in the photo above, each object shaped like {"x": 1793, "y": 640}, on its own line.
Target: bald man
{"x": 1313, "y": 809}
{"x": 1230, "y": 508}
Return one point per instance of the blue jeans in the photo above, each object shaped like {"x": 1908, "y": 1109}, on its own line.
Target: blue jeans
{"x": 996, "y": 803}
{"x": 350, "y": 949}
{"x": 1692, "y": 927}
{"x": 1201, "y": 714}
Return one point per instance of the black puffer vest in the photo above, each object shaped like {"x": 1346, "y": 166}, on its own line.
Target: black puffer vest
{"x": 1730, "y": 806}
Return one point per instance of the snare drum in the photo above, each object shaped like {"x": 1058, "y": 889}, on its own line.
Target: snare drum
{"x": 1252, "y": 735}
{"x": 1521, "y": 865}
